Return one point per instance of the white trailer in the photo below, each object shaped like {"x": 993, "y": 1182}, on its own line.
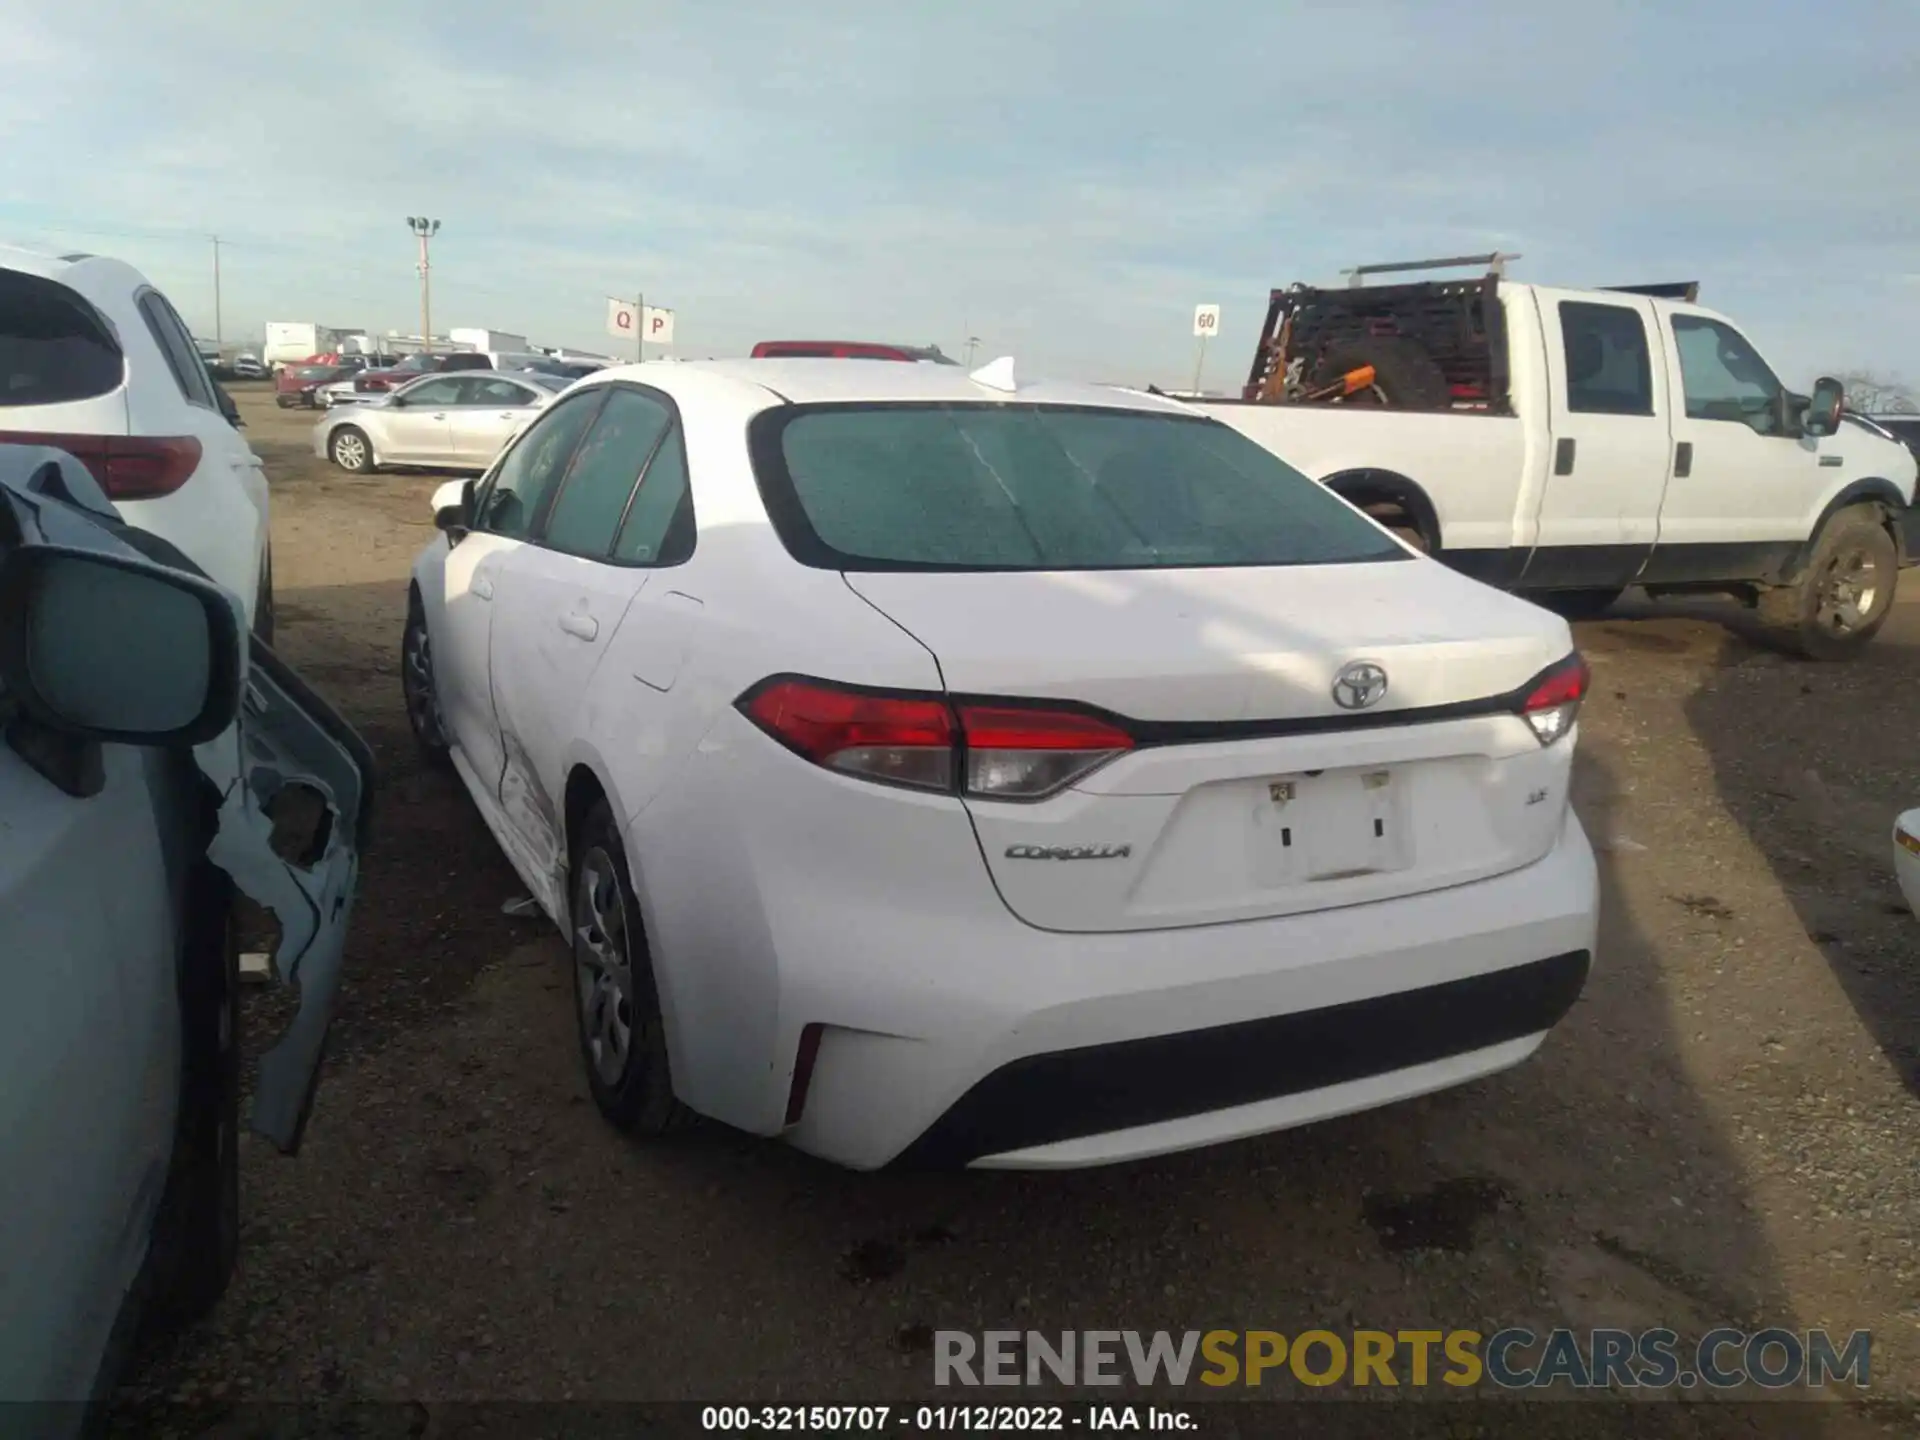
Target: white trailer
{"x": 291, "y": 340}
{"x": 504, "y": 340}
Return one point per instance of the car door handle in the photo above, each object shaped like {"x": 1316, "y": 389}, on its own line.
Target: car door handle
{"x": 1563, "y": 456}
{"x": 483, "y": 587}
{"x": 1683, "y": 460}
{"x": 441, "y": 416}
{"x": 581, "y": 627}
{"x": 508, "y": 415}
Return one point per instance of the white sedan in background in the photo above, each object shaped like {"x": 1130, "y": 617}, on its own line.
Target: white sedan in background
{"x": 935, "y": 768}
{"x": 454, "y": 422}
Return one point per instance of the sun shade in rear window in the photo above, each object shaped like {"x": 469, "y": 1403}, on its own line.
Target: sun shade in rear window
{"x": 1039, "y": 487}
{"x": 54, "y": 347}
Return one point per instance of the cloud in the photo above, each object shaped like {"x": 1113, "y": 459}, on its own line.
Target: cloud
{"x": 1065, "y": 180}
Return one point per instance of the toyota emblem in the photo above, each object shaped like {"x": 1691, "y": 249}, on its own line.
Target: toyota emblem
{"x": 1359, "y": 685}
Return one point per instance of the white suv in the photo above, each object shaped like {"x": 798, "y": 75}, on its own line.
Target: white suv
{"x": 95, "y": 361}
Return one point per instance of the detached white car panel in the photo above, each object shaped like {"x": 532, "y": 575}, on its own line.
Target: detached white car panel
{"x": 996, "y": 864}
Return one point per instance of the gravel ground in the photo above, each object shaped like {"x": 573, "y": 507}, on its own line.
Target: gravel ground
{"x": 1723, "y": 1131}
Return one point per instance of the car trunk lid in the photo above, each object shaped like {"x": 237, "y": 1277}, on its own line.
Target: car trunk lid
{"x": 1251, "y": 790}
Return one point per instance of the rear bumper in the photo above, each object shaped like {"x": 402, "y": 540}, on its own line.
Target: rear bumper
{"x": 1068, "y": 1050}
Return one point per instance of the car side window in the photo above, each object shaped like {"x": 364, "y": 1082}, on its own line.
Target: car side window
{"x": 517, "y": 490}
{"x": 183, "y": 358}
{"x": 1723, "y": 376}
{"x": 1609, "y": 367}
{"x": 600, "y": 481}
{"x": 499, "y": 394}
{"x": 659, "y": 528}
{"x": 434, "y": 392}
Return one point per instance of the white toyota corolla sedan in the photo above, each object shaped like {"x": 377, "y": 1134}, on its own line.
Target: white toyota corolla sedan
{"x": 944, "y": 768}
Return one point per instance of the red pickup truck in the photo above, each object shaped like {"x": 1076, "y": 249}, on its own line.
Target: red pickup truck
{"x": 414, "y": 366}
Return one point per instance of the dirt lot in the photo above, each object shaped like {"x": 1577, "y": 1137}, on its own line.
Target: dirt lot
{"x": 1725, "y": 1130}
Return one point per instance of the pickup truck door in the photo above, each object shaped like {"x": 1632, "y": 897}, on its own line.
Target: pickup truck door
{"x": 1744, "y": 483}
{"x": 1610, "y": 453}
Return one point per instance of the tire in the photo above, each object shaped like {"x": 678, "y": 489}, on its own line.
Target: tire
{"x": 1405, "y": 377}
{"x": 1578, "y": 604}
{"x": 614, "y": 987}
{"x": 196, "y": 1240}
{"x": 349, "y": 448}
{"x": 263, "y": 603}
{"x": 1843, "y": 596}
{"x": 283, "y": 402}
{"x": 417, "y": 685}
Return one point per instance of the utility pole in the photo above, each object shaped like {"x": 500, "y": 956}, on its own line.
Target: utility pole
{"x": 219, "y": 336}
{"x": 973, "y": 344}
{"x": 639, "y": 329}
{"x": 425, "y": 229}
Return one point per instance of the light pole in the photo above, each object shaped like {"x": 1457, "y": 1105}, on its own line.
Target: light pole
{"x": 973, "y": 344}
{"x": 425, "y": 229}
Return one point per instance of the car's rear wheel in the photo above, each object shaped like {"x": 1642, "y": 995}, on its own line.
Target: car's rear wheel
{"x": 1578, "y": 604}
{"x": 417, "y": 685}
{"x": 351, "y": 450}
{"x": 623, "y": 1044}
{"x": 196, "y": 1240}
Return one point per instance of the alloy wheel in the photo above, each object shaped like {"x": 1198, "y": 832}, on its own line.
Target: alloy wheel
{"x": 603, "y": 973}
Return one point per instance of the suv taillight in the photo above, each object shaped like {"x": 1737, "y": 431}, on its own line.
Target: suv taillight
{"x": 1551, "y": 702}
{"x": 989, "y": 749}
{"x": 128, "y": 467}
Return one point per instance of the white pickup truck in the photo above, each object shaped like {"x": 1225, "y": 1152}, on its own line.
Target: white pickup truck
{"x": 1570, "y": 443}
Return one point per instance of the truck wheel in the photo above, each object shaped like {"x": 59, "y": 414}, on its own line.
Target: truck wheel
{"x": 1405, "y": 377}
{"x": 1842, "y": 598}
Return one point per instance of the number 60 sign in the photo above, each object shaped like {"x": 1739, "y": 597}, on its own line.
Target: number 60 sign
{"x": 1206, "y": 321}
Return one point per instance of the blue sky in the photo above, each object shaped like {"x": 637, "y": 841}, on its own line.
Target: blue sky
{"x": 1064, "y": 180}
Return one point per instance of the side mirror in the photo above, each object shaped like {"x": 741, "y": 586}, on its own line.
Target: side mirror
{"x": 1829, "y": 402}
{"x": 106, "y": 648}
{"x": 227, "y": 408}
{"x": 396, "y": 401}
{"x": 453, "y": 506}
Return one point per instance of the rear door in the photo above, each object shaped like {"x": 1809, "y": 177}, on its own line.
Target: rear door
{"x": 1610, "y": 452}
{"x": 492, "y": 410}
{"x": 507, "y": 505}
{"x": 561, "y": 601}
{"x": 417, "y": 428}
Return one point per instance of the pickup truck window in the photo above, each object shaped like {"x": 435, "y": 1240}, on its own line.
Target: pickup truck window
{"x": 1723, "y": 377}
{"x": 1609, "y": 368}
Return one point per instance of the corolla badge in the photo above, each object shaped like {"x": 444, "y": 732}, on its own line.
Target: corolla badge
{"x": 1359, "y": 685}
{"x": 1069, "y": 852}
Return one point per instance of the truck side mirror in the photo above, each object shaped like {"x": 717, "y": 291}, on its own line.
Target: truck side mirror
{"x": 1825, "y": 408}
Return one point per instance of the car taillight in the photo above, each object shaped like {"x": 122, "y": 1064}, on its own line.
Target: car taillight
{"x": 1552, "y": 701}
{"x": 899, "y": 739}
{"x": 997, "y": 750}
{"x": 128, "y": 467}
{"x": 1017, "y": 752}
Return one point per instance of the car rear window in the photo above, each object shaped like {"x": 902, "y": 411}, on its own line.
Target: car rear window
{"x": 1029, "y": 487}
{"x": 54, "y": 347}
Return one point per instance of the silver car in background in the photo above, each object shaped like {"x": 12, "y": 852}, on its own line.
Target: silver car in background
{"x": 458, "y": 421}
